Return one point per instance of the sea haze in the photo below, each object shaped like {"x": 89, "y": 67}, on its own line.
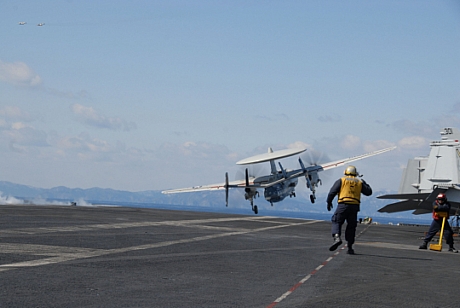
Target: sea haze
{"x": 299, "y": 207}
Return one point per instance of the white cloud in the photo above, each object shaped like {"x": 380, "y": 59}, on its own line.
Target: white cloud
{"x": 84, "y": 143}
{"x": 3, "y": 124}
{"x": 414, "y": 142}
{"x": 84, "y": 147}
{"x": 299, "y": 144}
{"x": 24, "y": 135}
{"x": 350, "y": 142}
{"x": 14, "y": 113}
{"x": 19, "y": 74}
{"x": 370, "y": 146}
{"x": 18, "y": 134}
{"x": 91, "y": 117}
{"x": 18, "y": 125}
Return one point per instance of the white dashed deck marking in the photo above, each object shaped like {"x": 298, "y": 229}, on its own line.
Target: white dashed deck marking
{"x": 59, "y": 254}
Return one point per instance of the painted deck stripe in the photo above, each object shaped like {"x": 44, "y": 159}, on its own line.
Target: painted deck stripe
{"x": 195, "y": 223}
{"x": 63, "y": 255}
{"x": 314, "y": 272}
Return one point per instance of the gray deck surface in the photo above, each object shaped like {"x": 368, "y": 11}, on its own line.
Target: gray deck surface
{"x": 62, "y": 256}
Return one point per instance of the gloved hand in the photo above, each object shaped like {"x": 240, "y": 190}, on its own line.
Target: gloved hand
{"x": 329, "y": 206}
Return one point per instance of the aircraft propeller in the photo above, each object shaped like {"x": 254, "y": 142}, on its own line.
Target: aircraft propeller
{"x": 246, "y": 176}
{"x": 226, "y": 188}
{"x": 250, "y": 193}
{"x": 312, "y": 158}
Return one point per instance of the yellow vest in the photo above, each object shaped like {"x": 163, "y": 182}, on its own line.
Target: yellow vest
{"x": 350, "y": 191}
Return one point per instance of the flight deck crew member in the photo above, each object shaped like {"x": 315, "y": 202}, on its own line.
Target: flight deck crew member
{"x": 349, "y": 189}
{"x": 440, "y": 205}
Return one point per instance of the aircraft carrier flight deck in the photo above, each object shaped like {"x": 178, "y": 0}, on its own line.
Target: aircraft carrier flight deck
{"x": 72, "y": 256}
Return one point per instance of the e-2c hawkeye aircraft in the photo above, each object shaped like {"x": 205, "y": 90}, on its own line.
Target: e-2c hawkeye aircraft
{"x": 425, "y": 177}
{"x": 279, "y": 184}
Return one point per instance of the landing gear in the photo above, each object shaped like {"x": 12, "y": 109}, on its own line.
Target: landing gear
{"x": 254, "y": 207}
{"x": 250, "y": 195}
{"x": 312, "y": 198}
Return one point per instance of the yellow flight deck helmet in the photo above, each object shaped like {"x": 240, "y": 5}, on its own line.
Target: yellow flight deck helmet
{"x": 351, "y": 170}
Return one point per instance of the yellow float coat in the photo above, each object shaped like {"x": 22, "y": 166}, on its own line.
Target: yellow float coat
{"x": 350, "y": 191}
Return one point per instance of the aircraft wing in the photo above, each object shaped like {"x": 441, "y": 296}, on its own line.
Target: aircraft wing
{"x": 290, "y": 175}
{"x": 194, "y": 189}
{"x": 342, "y": 162}
{"x": 423, "y": 211}
{"x": 331, "y": 165}
{"x": 405, "y": 196}
{"x": 419, "y": 207}
{"x": 220, "y": 186}
{"x": 407, "y": 205}
{"x": 316, "y": 168}
{"x": 421, "y": 203}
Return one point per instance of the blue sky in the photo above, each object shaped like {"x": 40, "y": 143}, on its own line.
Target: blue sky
{"x": 150, "y": 95}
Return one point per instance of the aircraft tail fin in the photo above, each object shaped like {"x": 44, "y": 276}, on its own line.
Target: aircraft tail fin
{"x": 410, "y": 181}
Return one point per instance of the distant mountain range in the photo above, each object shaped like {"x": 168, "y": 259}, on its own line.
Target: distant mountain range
{"x": 16, "y": 193}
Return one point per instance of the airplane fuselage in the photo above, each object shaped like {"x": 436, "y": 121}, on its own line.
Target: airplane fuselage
{"x": 279, "y": 191}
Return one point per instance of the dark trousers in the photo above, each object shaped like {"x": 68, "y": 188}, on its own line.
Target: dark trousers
{"x": 435, "y": 227}
{"x": 348, "y": 212}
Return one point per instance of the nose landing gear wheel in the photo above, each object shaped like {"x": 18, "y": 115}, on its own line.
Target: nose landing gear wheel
{"x": 255, "y": 209}
{"x": 312, "y": 199}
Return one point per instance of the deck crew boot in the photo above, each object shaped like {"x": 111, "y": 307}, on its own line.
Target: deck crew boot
{"x": 423, "y": 246}
{"x": 350, "y": 250}
{"x": 337, "y": 242}
{"x": 452, "y": 249}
